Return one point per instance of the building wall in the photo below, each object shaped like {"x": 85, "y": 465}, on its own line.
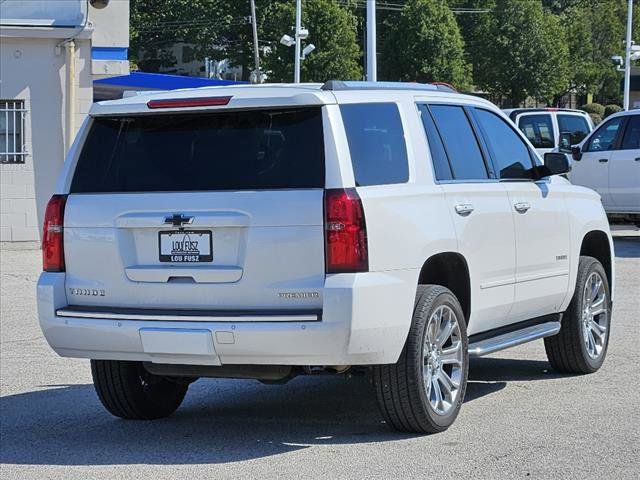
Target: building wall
{"x": 33, "y": 68}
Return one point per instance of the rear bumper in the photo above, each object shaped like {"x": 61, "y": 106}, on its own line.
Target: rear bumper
{"x": 365, "y": 320}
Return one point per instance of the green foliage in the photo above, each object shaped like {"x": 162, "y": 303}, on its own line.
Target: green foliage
{"x": 424, "y": 44}
{"x": 522, "y": 52}
{"x": 593, "y": 108}
{"x": 332, "y": 29}
{"x": 611, "y": 109}
{"x": 595, "y": 118}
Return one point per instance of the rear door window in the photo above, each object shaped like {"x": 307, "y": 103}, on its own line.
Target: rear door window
{"x": 376, "y": 143}
{"x": 463, "y": 150}
{"x": 439, "y": 157}
{"x": 224, "y": 150}
{"x": 631, "y": 140}
{"x": 538, "y": 129}
{"x": 510, "y": 154}
{"x": 576, "y": 125}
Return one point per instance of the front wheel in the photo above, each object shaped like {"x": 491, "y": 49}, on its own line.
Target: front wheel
{"x": 581, "y": 345}
{"x": 423, "y": 391}
{"x": 128, "y": 391}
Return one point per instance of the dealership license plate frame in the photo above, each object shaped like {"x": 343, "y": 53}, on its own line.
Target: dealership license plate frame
{"x": 184, "y": 256}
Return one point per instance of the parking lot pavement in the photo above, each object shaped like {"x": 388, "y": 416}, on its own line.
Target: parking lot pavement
{"x": 520, "y": 419}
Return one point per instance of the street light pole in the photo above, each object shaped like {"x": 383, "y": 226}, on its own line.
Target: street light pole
{"x": 256, "y": 57}
{"x": 627, "y": 62}
{"x": 372, "y": 66}
{"x": 296, "y": 68}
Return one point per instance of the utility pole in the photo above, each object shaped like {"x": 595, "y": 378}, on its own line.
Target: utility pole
{"x": 627, "y": 63}
{"x": 372, "y": 64}
{"x": 256, "y": 56}
{"x": 296, "y": 71}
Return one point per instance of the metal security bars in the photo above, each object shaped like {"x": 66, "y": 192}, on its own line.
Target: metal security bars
{"x": 12, "y": 127}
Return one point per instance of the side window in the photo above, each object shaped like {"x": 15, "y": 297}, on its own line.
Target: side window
{"x": 631, "y": 139}
{"x": 538, "y": 129}
{"x": 438, "y": 153}
{"x": 604, "y": 138}
{"x": 576, "y": 125}
{"x": 376, "y": 142}
{"x": 509, "y": 153}
{"x": 460, "y": 142}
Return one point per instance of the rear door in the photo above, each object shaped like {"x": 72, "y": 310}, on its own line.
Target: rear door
{"x": 624, "y": 169}
{"x": 480, "y": 210}
{"x": 215, "y": 210}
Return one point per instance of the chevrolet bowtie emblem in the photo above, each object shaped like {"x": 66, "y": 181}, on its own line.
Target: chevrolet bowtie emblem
{"x": 177, "y": 220}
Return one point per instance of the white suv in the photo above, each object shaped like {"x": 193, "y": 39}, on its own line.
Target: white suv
{"x": 608, "y": 161}
{"x": 269, "y": 231}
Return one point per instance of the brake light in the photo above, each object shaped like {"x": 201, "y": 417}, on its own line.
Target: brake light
{"x": 53, "y": 235}
{"x": 188, "y": 102}
{"x": 345, "y": 228}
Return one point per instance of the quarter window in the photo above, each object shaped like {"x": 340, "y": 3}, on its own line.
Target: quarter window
{"x": 12, "y": 122}
{"x": 538, "y": 129}
{"x": 510, "y": 154}
{"x": 376, "y": 143}
{"x": 460, "y": 142}
{"x": 631, "y": 140}
{"x": 604, "y": 138}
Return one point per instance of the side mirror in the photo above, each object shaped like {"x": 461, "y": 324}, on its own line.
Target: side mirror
{"x": 565, "y": 142}
{"x": 576, "y": 153}
{"x": 555, "y": 164}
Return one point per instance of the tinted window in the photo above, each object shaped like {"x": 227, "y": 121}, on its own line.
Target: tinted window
{"x": 376, "y": 142}
{"x": 605, "y": 137}
{"x": 631, "y": 140}
{"x": 509, "y": 153}
{"x": 576, "y": 125}
{"x": 460, "y": 141}
{"x": 538, "y": 129}
{"x": 259, "y": 149}
{"x": 438, "y": 153}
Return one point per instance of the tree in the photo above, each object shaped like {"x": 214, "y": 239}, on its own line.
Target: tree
{"x": 203, "y": 24}
{"x": 332, "y": 29}
{"x": 522, "y": 52}
{"x": 424, "y": 44}
{"x": 594, "y": 33}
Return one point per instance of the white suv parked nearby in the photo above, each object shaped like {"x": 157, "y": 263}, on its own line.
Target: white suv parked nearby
{"x": 608, "y": 161}
{"x": 269, "y": 231}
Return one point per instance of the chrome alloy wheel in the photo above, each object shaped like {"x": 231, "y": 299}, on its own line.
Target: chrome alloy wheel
{"x": 443, "y": 357}
{"x": 595, "y": 315}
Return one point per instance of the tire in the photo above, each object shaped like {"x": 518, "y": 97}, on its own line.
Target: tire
{"x": 574, "y": 349}
{"x": 401, "y": 388}
{"x": 128, "y": 391}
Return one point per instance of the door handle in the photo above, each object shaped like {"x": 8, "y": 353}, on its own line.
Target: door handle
{"x": 638, "y": 159}
{"x": 464, "y": 209}
{"x": 522, "y": 207}
{"x": 603, "y": 160}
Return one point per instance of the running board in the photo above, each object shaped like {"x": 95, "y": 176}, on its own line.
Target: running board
{"x": 511, "y": 339}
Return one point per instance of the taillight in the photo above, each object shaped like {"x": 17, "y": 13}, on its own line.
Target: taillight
{"x": 53, "y": 235}
{"x": 345, "y": 232}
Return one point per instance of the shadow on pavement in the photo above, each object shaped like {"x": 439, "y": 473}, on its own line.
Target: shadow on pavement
{"x": 220, "y": 421}
{"x": 627, "y": 247}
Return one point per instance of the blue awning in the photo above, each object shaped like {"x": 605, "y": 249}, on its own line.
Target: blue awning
{"x": 113, "y": 87}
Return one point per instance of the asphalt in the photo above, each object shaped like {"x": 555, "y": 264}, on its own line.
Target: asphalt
{"x": 519, "y": 419}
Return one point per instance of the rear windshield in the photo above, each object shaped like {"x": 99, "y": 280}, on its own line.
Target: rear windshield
{"x": 231, "y": 150}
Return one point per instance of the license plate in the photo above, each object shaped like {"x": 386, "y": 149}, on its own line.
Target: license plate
{"x": 186, "y": 246}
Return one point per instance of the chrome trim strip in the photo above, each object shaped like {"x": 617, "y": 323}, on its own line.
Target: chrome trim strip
{"x": 186, "y": 318}
{"x": 511, "y": 339}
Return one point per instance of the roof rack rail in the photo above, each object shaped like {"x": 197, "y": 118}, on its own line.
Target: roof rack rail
{"x": 335, "y": 85}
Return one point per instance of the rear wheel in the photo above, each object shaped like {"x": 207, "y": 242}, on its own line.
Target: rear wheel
{"x": 581, "y": 345}
{"x": 423, "y": 391}
{"x": 128, "y": 391}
